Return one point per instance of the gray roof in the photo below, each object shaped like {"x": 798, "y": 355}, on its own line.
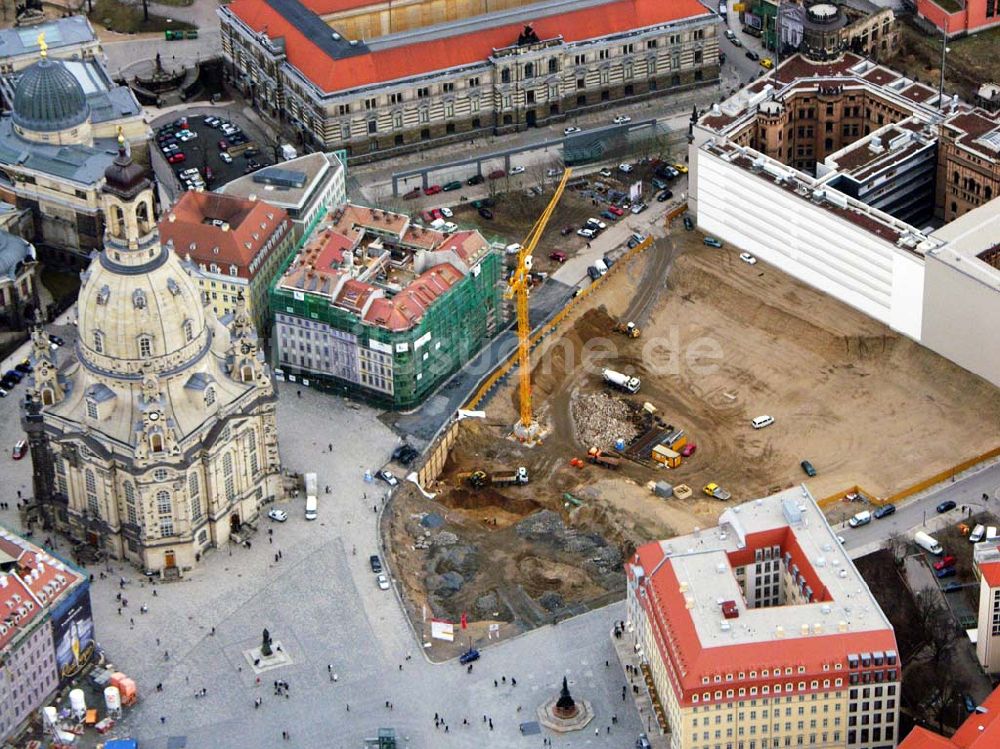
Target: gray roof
{"x": 49, "y": 98}
{"x": 13, "y": 252}
{"x": 199, "y": 381}
{"x": 100, "y": 393}
{"x": 78, "y": 163}
{"x": 315, "y": 29}
{"x": 63, "y": 32}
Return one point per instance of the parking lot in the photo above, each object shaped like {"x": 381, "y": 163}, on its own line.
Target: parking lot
{"x": 205, "y": 151}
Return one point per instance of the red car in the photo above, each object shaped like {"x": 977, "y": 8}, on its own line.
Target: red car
{"x": 414, "y": 193}
{"x": 20, "y": 450}
{"x": 497, "y": 174}
{"x": 616, "y": 210}
{"x": 427, "y": 216}
{"x": 176, "y": 158}
{"x": 432, "y": 190}
{"x": 688, "y": 450}
{"x": 945, "y": 562}
{"x": 559, "y": 256}
{"x": 436, "y": 213}
{"x": 223, "y": 145}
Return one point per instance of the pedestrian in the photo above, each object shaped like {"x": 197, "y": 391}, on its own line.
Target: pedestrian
{"x": 607, "y": 664}
{"x": 597, "y": 731}
{"x": 275, "y": 558}
{"x": 503, "y": 679}
{"x": 154, "y": 592}
{"x": 513, "y": 681}
{"x": 374, "y": 508}
{"x": 387, "y": 703}
{"x": 484, "y": 719}
{"x": 330, "y": 446}
{"x": 163, "y": 719}
{"x": 435, "y": 717}
{"x": 329, "y": 667}
{"x": 166, "y": 655}
{"x": 280, "y": 555}
{"x": 400, "y": 666}
{"x": 213, "y": 630}
{"x": 348, "y": 708}
{"x": 609, "y": 728}
{"x": 298, "y": 393}
{"x": 159, "y": 687}
{"x": 131, "y": 621}
{"x": 495, "y": 683}
{"x": 119, "y": 611}
{"x": 491, "y": 724}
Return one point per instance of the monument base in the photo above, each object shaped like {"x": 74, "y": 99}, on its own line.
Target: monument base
{"x": 261, "y": 663}
{"x": 548, "y": 716}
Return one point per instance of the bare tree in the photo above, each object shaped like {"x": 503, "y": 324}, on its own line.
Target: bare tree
{"x": 936, "y": 623}
{"x": 897, "y": 544}
{"x": 944, "y": 693}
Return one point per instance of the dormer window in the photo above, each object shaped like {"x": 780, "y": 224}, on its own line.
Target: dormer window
{"x": 145, "y": 347}
{"x": 98, "y": 342}
{"x": 209, "y": 396}
{"x": 92, "y": 408}
{"x": 188, "y": 330}
{"x": 233, "y": 270}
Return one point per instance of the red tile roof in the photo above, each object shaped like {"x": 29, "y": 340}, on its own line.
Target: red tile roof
{"x": 991, "y": 573}
{"x": 407, "y": 60}
{"x": 979, "y": 731}
{"x": 251, "y": 224}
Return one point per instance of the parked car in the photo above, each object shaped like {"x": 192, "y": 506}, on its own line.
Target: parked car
{"x": 426, "y": 216}
{"x": 497, "y": 174}
{"x": 405, "y": 454}
{"x": 586, "y": 233}
{"x": 275, "y": 514}
{"x": 432, "y": 189}
{"x": 593, "y": 272}
{"x": 970, "y": 704}
{"x": 747, "y": 258}
{"x": 516, "y": 170}
{"x": 53, "y": 338}
{"x": 436, "y": 214}
{"x": 945, "y": 506}
{"x": 680, "y": 168}
{"x": 226, "y": 157}
{"x": 593, "y": 223}
{"x": 862, "y": 518}
{"x": 387, "y": 477}
{"x": 767, "y": 63}
{"x": 609, "y": 215}
{"x": 20, "y": 449}
{"x": 383, "y": 582}
{"x": 946, "y": 572}
{"x": 468, "y": 656}
{"x": 622, "y": 119}
{"x": 223, "y": 144}
{"x": 638, "y": 208}
{"x": 453, "y": 185}
{"x": 447, "y": 212}
{"x": 559, "y": 256}
{"x": 884, "y": 511}
{"x": 414, "y": 193}
{"x": 616, "y": 210}
{"x": 712, "y": 242}
{"x": 688, "y": 450}
{"x": 808, "y": 468}
{"x": 475, "y": 179}
{"x": 606, "y": 173}
{"x": 664, "y": 196}
{"x": 688, "y": 223}
{"x": 375, "y": 563}
{"x": 624, "y": 168}
{"x": 951, "y": 587}
{"x": 24, "y": 367}
{"x": 486, "y": 213}
{"x": 751, "y": 55}
{"x": 176, "y": 158}
{"x": 570, "y": 130}
{"x": 946, "y": 561}
{"x": 643, "y": 742}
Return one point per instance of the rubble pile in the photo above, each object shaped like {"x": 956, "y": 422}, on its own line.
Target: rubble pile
{"x": 601, "y": 417}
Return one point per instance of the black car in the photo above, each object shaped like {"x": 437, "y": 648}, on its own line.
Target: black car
{"x": 375, "y": 562}
{"x": 751, "y": 55}
{"x": 475, "y": 179}
{"x": 405, "y": 454}
{"x": 56, "y": 340}
{"x": 688, "y": 223}
{"x": 608, "y": 261}
{"x": 948, "y": 504}
{"x": 486, "y": 213}
{"x": 13, "y": 374}
{"x": 808, "y": 468}
{"x": 884, "y": 511}
{"x": 468, "y": 656}
{"x": 593, "y": 273}
{"x": 24, "y": 367}
{"x": 664, "y": 196}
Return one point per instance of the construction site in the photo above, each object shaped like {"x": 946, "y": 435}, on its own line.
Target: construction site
{"x": 715, "y": 343}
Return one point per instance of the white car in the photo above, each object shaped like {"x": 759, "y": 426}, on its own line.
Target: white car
{"x": 226, "y": 157}
{"x": 594, "y": 223}
{"x": 622, "y": 119}
{"x": 383, "y": 582}
{"x": 638, "y": 208}
{"x": 516, "y": 170}
{"x": 605, "y": 172}
{"x": 625, "y": 168}
{"x": 571, "y": 130}
{"x": 446, "y": 212}
{"x": 387, "y": 477}
{"x": 275, "y": 514}
{"x": 747, "y": 258}
{"x": 586, "y": 233}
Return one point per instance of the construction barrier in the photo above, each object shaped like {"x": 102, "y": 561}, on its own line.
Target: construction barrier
{"x": 435, "y": 459}
{"x": 508, "y": 364}
{"x": 920, "y": 486}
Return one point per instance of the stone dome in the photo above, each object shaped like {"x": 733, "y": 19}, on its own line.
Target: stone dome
{"x": 48, "y": 98}
{"x": 124, "y": 177}
{"x": 133, "y": 315}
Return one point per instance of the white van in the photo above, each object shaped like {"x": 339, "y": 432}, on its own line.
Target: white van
{"x": 862, "y": 518}
{"x": 311, "y": 507}
{"x": 762, "y": 421}
{"x": 978, "y": 533}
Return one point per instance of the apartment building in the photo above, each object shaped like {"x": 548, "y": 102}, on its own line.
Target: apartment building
{"x": 235, "y": 246}
{"x": 47, "y": 635}
{"x": 761, "y": 633}
{"x": 487, "y": 72}
{"x": 382, "y": 309}
{"x": 960, "y": 19}
{"x": 981, "y": 730}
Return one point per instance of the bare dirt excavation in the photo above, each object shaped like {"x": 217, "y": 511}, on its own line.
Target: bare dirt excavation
{"x": 722, "y": 342}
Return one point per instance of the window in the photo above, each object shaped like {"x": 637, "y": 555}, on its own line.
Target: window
{"x": 145, "y": 347}
{"x": 227, "y": 470}
{"x": 371, "y": 104}
{"x": 254, "y": 462}
{"x": 188, "y": 330}
{"x": 194, "y": 491}
{"x": 372, "y": 129}
{"x": 91, "y": 408}
{"x": 423, "y": 92}
{"x": 209, "y": 396}
{"x": 473, "y": 82}
{"x": 130, "y": 513}
{"x": 553, "y": 65}
{"x": 163, "y": 502}
{"x": 160, "y": 474}
{"x": 98, "y": 342}
{"x": 651, "y": 44}
{"x": 344, "y": 109}
{"x": 90, "y": 482}
{"x": 580, "y": 60}
{"x": 396, "y": 98}
{"x": 505, "y": 75}
{"x": 61, "y": 476}
{"x": 627, "y": 49}
{"x": 603, "y": 54}
{"x": 166, "y": 526}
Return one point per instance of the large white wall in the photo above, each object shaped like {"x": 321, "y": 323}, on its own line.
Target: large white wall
{"x": 810, "y": 242}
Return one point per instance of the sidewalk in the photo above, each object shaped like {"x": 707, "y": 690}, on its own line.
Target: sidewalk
{"x": 626, "y": 652}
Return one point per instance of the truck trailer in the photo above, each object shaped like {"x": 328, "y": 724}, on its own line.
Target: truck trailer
{"x": 602, "y": 459}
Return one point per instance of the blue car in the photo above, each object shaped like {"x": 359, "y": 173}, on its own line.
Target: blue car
{"x": 946, "y": 572}
{"x": 970, "y": 704}
{"x": 468, "y": 656}
{"x": 946, "y": 506}
{"x": 609, "y": 216}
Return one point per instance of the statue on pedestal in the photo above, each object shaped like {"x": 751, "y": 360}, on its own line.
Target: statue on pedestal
{"x": 566, "y": 706}
{"x": 265, "y": 645}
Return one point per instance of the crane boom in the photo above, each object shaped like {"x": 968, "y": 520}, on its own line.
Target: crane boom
{"x": 518, "y": 288}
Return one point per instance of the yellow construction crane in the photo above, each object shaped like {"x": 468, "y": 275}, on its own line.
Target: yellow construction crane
{"x": 520, "y": 281}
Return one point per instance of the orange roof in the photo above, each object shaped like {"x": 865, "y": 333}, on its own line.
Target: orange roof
{"x": 407, "y": 60}
{"x": 407, "y": 308}
{"x": 981, "y": 730}
{"x": 250, "y": 224}
{"x": 991, "y": 573}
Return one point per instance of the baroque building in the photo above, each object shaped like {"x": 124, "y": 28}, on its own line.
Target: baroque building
{"x": 155, "y": 441}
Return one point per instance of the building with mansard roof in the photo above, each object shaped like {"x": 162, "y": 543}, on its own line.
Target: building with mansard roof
{"x": 155, "y": 439}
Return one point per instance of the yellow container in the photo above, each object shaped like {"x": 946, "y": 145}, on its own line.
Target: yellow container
{"x": 666, "y": 456}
